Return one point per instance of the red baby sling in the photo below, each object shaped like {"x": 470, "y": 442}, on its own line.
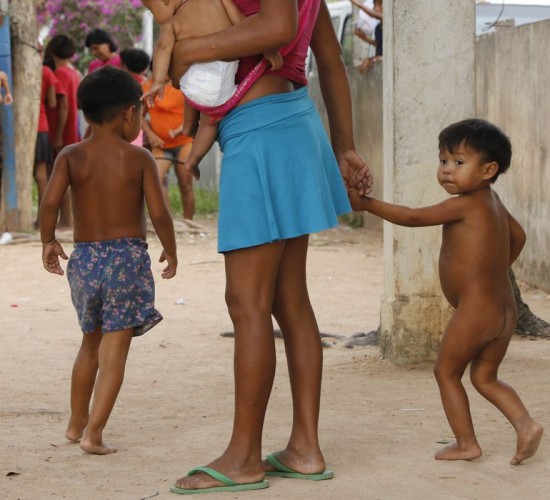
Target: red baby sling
{"x": 218, "y": 112}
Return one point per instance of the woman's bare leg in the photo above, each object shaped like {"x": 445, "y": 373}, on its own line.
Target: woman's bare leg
{"x": 113, "y": 352}
{"x": 294, "y": 314}
{"x": 251, "y": 274}
{"x": 82, "y": 384}
{"x": 484, "y": 376}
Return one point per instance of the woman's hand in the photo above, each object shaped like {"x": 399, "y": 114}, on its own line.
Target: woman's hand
{"x": 355, "y": 171}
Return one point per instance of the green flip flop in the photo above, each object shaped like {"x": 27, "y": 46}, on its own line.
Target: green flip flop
{"x": 284, "y": 471}
{"x": 229, "y": 485}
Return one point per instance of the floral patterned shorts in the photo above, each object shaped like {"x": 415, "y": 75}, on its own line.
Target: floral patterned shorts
{"x": 112, "y": 286}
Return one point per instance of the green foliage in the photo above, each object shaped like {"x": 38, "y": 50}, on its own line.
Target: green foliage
{"x": 206, "y": 200}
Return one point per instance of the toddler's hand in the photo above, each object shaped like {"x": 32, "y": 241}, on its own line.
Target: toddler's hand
{"x": 275, "y": 59}
{"x": 170, "y": 270}
{"x": 356, "y": 200}
{"x": 50, "y": 257}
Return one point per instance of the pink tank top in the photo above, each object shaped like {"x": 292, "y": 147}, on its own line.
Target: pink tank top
{"x": 294, "y": 62}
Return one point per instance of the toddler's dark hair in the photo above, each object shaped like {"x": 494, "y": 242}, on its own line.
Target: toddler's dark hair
{"x": 483, "y": 137}
{"x": 136, "y": 60}
{"x": 99, "y": 36}
{"x": 105, "y": 92}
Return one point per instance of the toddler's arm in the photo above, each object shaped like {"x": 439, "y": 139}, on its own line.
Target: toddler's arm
{"x": 206, "y": 135}
{"x": 160, "y": 215}
{"x": 161, "y": 63}
{"x": 517, "y": 238}
{"x": 450, "y": 210}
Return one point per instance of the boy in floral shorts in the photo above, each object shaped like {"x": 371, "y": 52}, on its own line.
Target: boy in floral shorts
{"x": 109, "y": 271}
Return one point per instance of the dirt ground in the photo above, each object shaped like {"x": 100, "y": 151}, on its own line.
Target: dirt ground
{"x": 380, "y": 424}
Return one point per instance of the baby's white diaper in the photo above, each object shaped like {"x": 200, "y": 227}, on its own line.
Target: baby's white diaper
{"x": 210, "y": 84}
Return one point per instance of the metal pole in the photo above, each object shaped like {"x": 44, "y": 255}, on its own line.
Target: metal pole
{"x": 9, "y": 177}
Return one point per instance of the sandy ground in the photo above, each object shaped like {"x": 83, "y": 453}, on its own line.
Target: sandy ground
{"x": 380, "y": 424}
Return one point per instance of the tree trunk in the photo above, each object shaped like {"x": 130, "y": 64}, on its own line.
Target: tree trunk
{"x": 528, "y": 324}
{"x": 27, "y": 78}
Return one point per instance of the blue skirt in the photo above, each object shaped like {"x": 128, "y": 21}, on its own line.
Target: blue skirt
{"x": 279, "y": 177}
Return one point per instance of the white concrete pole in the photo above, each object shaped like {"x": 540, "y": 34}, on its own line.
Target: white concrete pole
{"x": 147, "y": 32}
{"x": 429, "y": 82}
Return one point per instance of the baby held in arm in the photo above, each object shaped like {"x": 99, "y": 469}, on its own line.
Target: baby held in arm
{"x": 208, "y": 84}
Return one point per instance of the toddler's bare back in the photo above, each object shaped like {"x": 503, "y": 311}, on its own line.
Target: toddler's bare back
{"x": 200, "y": 17}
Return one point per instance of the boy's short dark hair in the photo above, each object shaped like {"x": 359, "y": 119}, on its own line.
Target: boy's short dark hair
{"x": 105, "y": 92}
{"x": 482, "y": 136}
{"x": 99, "y": 36}
{"x": 62, "y": 46}
{"x": 136, "y": 60}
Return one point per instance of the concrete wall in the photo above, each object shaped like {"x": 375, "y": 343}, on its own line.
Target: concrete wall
{"x": 513, "y": 91}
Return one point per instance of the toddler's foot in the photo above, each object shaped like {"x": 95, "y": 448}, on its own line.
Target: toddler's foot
{"x": 528, "y": 442}
{"x": 453, "y": 452}
{"x": 95, "y": 446}
{"x": 75, "y": 430}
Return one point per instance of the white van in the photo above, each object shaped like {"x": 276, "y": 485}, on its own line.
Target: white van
{"x": 341, "y": 13}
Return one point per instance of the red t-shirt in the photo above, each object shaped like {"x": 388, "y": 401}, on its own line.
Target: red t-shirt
{"x": 294, "y": 63}
{"x": 67, "y": 85}
{"x": 96, "y": 63}
{"x": 48, "y": 80}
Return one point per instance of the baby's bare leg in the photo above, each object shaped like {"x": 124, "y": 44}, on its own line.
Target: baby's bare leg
{"x": 483, "y": 374}
{"x": 459, "y": 345}
{"x": 82, "y": 384}
{"x": 113, "y": 352}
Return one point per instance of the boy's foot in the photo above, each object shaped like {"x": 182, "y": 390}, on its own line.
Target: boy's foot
{"x": 528, "y": 442}
{"x": 453, "y": 452}
{"x": 88, "y": 446}
{"x": 75, "y": 430}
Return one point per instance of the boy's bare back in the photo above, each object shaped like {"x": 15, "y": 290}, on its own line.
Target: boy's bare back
{"x": 201, "y": 17}
{"x": 109, "y": 180}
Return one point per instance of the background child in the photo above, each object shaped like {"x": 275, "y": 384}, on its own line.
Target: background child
{"x": 208, "y": 84}
{"x": 109, "y": 273}
{"x": 480, "y": 242}
{"x": 43, "y": 154}
{"x": 63, "y": 123}
{"x": 168, "y": 148}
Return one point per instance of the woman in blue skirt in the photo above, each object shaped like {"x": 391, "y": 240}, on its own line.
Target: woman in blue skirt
{"x": 281, "y": 180}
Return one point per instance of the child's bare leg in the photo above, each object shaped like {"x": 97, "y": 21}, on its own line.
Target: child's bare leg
{"x": 113, "y": 352}
{"x": 65, "y": 217}
{"x": 82, "y": 384}
{"x": 163, "y": 166}
{"x": 251, "y": 275}
{"x": 459, "y": 345}
{"x": 483, "y": 373}
{"x": 185, "y": 183}
{"x": 294, "y": 314}
{"x": 41, "y": 179}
